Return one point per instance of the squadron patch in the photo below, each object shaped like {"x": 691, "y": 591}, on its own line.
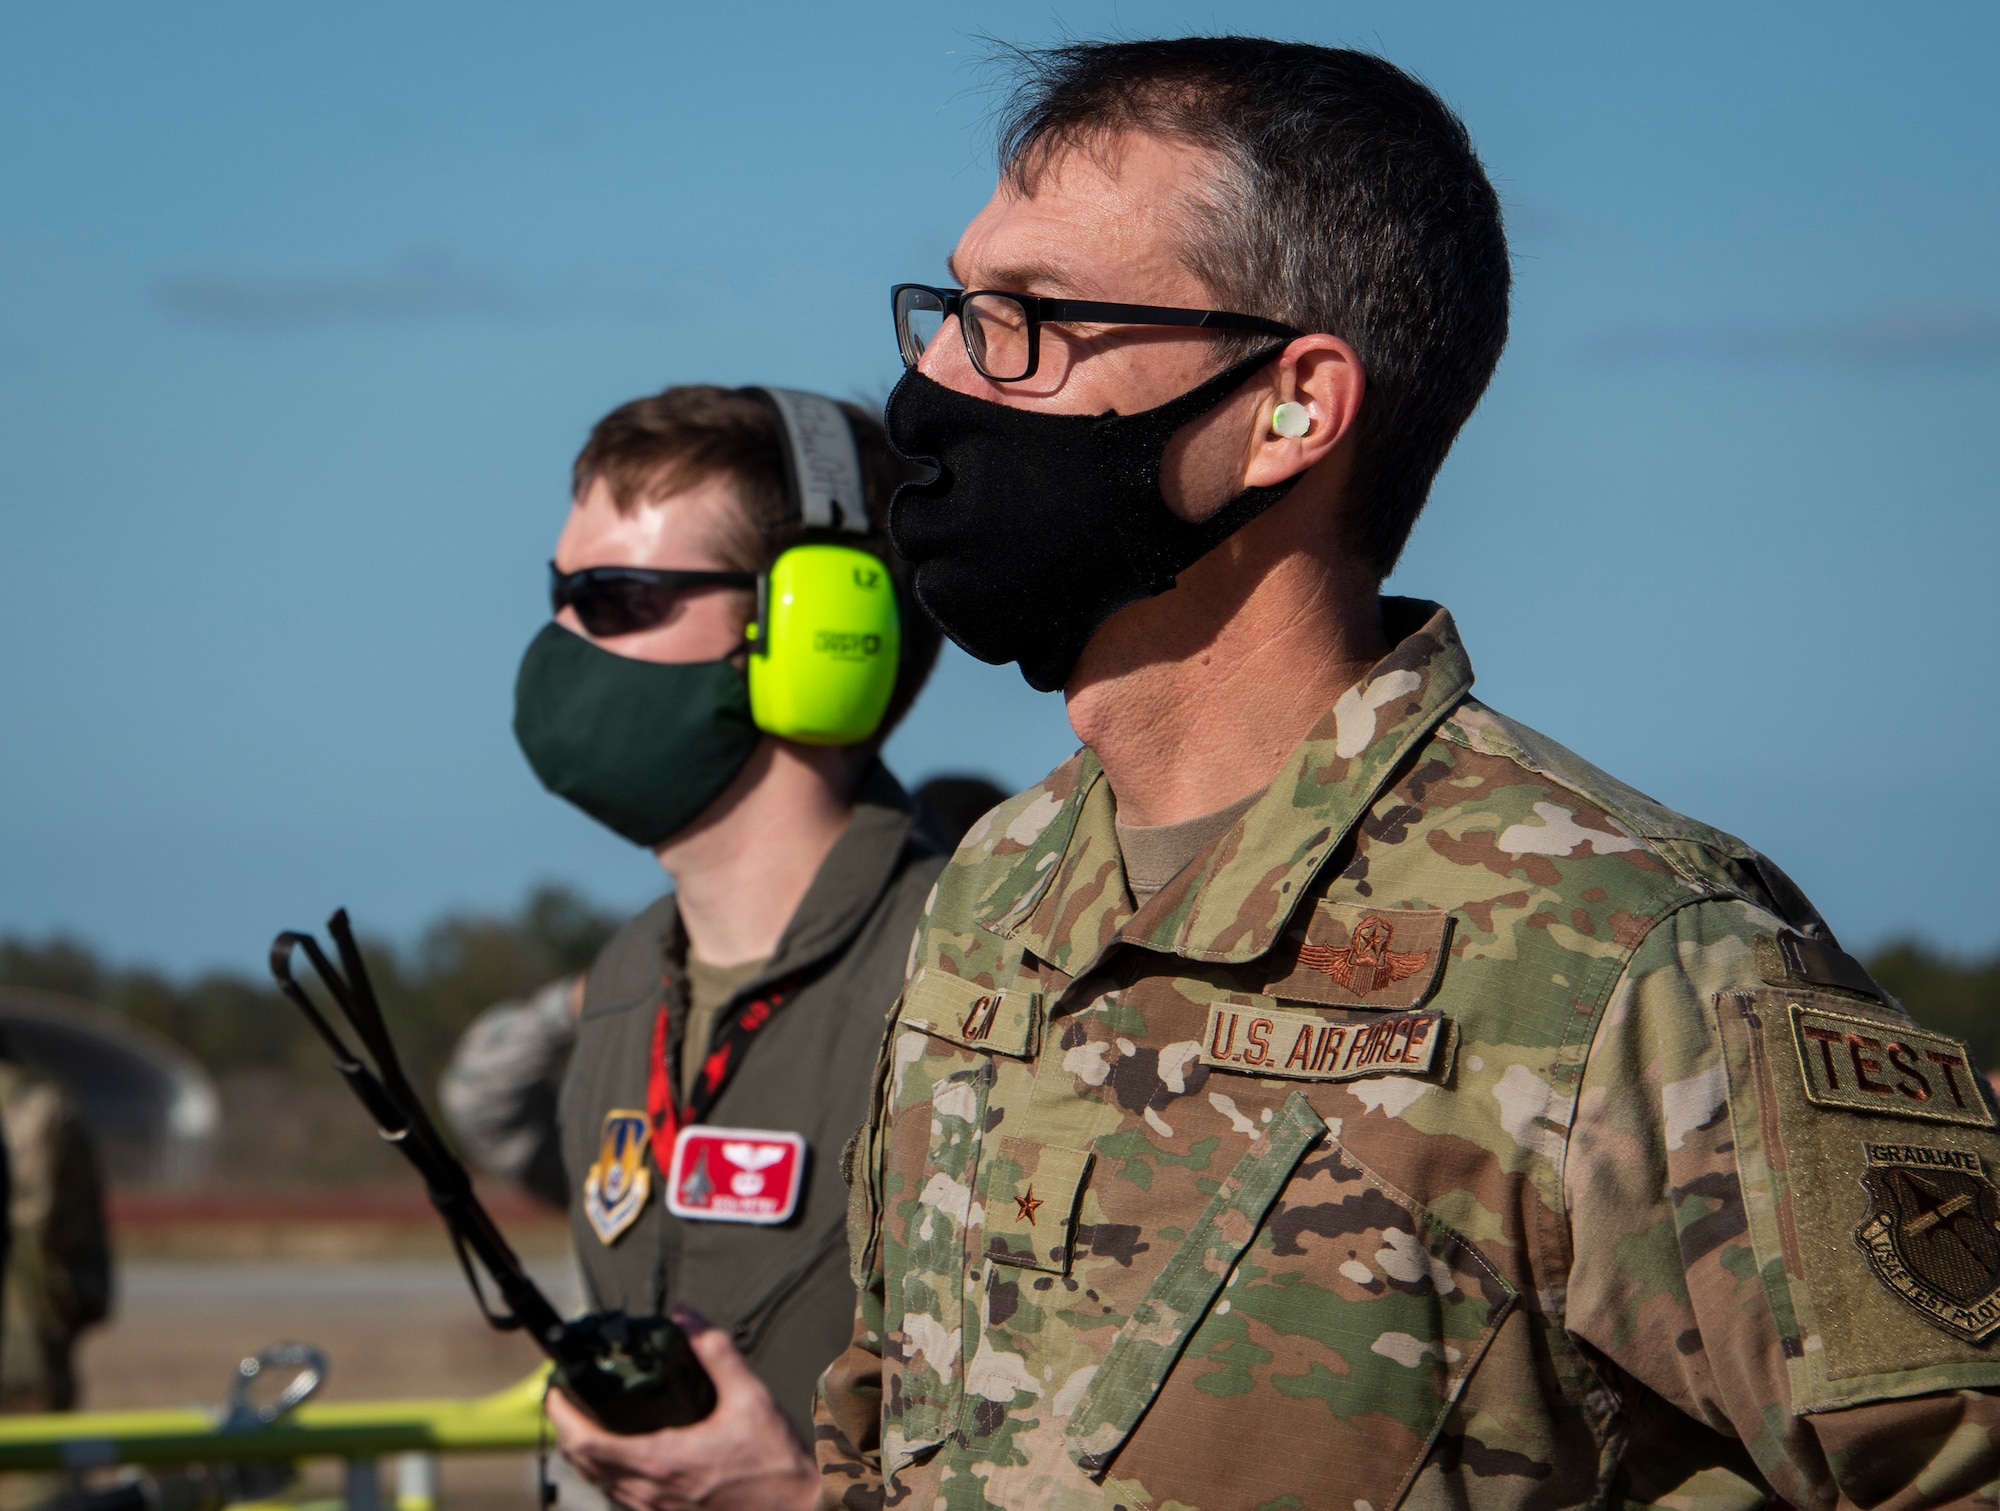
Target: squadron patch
{"x": 1300, "y": 1047}
{"x": 1867, "y": 1065}
{"x": 1343, "y": 955}
{"x": 735, "y": 1174}
{"x": 1932, "y": 1234}
{"x": 616, "y": 1186}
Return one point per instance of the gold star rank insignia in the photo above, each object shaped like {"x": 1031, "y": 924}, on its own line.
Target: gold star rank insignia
{"x": 1029, "y": 1205}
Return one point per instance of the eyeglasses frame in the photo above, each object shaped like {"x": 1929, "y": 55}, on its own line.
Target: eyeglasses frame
{"x": 1040, "y": 308}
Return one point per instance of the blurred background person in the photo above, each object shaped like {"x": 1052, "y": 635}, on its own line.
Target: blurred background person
{"x": 58, "y": 1262}
{"x": 498, "y": 1090}
{"x": 732, "y": 642}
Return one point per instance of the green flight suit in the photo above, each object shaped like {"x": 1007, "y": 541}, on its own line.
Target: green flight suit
{"x": 784, "y": 1291}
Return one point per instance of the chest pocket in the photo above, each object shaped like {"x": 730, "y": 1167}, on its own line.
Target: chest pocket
{"x": 1030, "y": 1195}
{"x": 927, "y": 1311}
{"x": 1313, "y": 1306}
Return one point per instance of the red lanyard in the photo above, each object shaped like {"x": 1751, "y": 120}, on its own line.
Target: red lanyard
{"x": 664, "y": 1115}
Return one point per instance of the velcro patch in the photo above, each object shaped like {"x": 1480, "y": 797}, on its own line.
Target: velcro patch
{"x": 1345, "y": 955}
{"x": 1798, "y": 962}
{"x": 1866, "y": 1065}
{"x": 1301, "y": 1047}
{"x": 1000, "y": 1020}
{"x": 1932, "y": 1234}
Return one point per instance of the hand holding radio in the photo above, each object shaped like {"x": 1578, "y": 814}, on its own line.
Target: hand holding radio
{"x": 743, "y": 1456}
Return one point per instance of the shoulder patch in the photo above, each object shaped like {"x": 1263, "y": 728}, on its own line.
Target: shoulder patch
{"x": 1867, "y": 1065}
{"x": 1932, "y": 1234}
{"x": 1872, "y": 1302}
{"x": 1345, "y": 955}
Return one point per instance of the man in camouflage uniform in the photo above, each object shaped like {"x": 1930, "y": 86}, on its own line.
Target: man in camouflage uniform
{"x": 1322, "y": 1091}
{"x": 58, "y": 1270}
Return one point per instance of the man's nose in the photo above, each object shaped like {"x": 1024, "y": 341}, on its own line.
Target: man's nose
{"x": 945, "y": 362}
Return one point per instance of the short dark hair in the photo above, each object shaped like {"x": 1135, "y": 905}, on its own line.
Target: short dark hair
{"x": 685, "y": 435}
{"x": 1349, "y": 200}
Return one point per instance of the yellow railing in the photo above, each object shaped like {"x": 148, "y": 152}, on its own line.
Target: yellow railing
{"x": 361, "y": 1432}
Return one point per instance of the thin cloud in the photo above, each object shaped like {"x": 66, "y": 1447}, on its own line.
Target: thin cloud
{"x": 416, "y": 288}
{"x": 1891, "y": 338}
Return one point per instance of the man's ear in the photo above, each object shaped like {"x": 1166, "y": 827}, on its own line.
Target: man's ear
{"x": 1308, "y": 411}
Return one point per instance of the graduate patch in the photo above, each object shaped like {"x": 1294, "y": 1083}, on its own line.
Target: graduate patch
{"x": 1932, "y": 1234}
{"x": 1866, "y": 1065}
{"x": 617, "y": 1184}
{"x": 1345, "y": 955}
{"x": 1300, "y": 1047}
{"x": 735, "y": 1174}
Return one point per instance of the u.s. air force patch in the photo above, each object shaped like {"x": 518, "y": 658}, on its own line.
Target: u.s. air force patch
{"x": 1932, "y": 1234}
{"x": 617, "y": 1184}
{"x": 1295, "y": 1046}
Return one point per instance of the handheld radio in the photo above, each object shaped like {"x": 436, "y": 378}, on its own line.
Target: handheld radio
{"x": 633, "y": 1374}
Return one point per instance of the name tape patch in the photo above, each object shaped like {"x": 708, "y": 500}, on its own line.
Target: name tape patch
{"x": 1865, "y": 1065}
{"x": 989, "y": 1018}
{"x": 735, "y": 1174}
{"x": 1300, "y": 1047}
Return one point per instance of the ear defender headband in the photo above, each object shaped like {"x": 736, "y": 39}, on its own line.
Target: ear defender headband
{"x": 827, "y": 640}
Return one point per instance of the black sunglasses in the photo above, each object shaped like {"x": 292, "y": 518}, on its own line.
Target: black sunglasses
{"x": 624, "y": 600}
{"x": 1003, "y": 331}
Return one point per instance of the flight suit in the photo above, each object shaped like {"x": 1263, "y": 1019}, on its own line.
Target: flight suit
{"x": 1461, "y": 1128}
{"x": 782, "y": 1290}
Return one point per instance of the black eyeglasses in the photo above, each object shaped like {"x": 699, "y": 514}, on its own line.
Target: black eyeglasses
{"x": 1003, "y": 331}
{"x": 624, "y": 600}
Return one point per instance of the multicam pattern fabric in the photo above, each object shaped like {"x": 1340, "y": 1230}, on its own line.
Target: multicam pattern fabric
{"x": 1603, "y": 1250}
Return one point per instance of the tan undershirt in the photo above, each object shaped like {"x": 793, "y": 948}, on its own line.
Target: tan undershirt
{"x": 709, "y": 989}
{"x": 1156, "y": 853}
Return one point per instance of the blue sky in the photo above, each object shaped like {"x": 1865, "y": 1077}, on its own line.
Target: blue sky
{"x": 306, "y": 310}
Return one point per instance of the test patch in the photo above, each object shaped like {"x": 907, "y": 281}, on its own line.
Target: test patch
{"x": 1867, "y": 1065}
{"x": 1302, "y": 1047}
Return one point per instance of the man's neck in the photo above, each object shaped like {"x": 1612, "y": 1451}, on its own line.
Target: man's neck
{"x": 1192, "y": 700}
{"x": 742, "y": 869}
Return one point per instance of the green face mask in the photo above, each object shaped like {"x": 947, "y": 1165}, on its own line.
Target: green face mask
{"x": 640, "y": 746}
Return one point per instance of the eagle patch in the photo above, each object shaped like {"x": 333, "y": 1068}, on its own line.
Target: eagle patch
{"x": 1344, "y": 955}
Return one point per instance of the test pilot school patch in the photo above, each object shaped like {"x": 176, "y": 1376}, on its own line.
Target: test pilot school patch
{"x": 616, "y": 1186}
{"x": 1345, "y": 955}
{"x": 1302, "y": 1047}
{"x": 735, "y": 1174}
{"x": 1865, "y": 1065}
{"x": 1932, "y": 1234}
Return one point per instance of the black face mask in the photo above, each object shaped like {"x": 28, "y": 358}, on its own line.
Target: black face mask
{"x": 1039, "y": 527}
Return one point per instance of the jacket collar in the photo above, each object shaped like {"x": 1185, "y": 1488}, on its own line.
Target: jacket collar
{"x": 1066, "y": 900}
{"x": 850, "y": 881}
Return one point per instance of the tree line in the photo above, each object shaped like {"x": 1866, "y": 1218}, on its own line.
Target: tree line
{"x": 430, "y": 990}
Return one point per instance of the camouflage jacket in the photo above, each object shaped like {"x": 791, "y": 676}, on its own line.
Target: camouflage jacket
{"x": 1462, "y": 1128}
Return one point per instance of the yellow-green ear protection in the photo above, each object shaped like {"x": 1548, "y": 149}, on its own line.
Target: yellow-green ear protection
{"x": 827, "y": 639}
